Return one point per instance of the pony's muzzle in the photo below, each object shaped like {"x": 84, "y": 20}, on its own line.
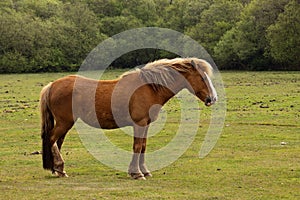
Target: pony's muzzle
{"x": 210, "y": 101}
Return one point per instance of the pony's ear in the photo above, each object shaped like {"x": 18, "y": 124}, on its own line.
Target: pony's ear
{"x": 193, "y": 64}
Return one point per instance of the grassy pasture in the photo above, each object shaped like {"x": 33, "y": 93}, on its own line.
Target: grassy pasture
{"x": 249, "y": 161}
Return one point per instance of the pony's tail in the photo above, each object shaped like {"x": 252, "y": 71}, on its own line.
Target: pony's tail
{"x": 46, "y": 127}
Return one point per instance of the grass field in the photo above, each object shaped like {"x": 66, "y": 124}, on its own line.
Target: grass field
{"x": 256, "y": 157}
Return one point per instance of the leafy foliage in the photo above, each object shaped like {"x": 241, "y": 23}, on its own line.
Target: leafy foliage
{"x": 214, "y": 22}
{"x": 284, "y": 36}
{"x": 246, "y": 44}
{"x": 56, "y": 35}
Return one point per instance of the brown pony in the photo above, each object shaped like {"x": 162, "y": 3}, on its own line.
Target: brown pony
{"x": 126, "y": 101}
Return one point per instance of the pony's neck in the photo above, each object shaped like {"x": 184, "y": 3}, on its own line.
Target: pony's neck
{"x": 165, "y": 94}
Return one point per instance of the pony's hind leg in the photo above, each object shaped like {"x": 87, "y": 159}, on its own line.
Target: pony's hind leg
{"x": 57, "y": 139}
{"x": 58, "y": 162}
{"x": 60, "y": 141}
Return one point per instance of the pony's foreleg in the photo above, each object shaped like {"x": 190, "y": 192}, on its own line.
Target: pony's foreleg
{"x": 134, "y": 168}
{"x": 142, "y": 164}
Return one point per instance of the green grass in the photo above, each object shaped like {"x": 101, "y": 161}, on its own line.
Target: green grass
{"x": 248, "y": 162}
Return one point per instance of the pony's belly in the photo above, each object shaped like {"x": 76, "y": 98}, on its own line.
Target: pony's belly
{"x": 112, "y": 124}
{"x": 105, "y": 122}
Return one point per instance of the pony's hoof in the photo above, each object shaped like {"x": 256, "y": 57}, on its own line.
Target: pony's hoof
{"x": 60, "y": 174}
{"x": 148, "y": 174}
{"x": 137, "y": 176}
{"x": 140, "y": 178}
{"x": 65, "y": 175}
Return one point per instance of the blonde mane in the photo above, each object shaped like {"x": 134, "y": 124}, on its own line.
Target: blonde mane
{"x": 182, "y": 64}
{"x": 164, "y": 72}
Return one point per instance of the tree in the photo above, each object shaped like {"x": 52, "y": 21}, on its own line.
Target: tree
{"x": 43, "y": 9}
{"x": 31, "y": 41}
{"x": 144, "y": 10}
{"x": 16, "y": 40}
{"x": 284, "y": 36}
{"x": 114, "y": 25}
{"x": 76, "y": 33}
{"x": 173, "y": 16}
{"x": 224, "y": 51}
{"x": 57, "y": 35}
{"x": 181, "y": 15}
{"x": 220, "y": 17}
{"x": 6, "y": 4}
{"x": 249, "y": 42}
{"x": 105, "y": 8}
{"x": 193, "y": 12}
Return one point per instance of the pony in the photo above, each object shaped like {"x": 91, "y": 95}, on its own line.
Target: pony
{"x": 125, "y": 101}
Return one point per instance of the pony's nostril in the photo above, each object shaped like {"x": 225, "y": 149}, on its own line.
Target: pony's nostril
{"x": 207, "y": 101}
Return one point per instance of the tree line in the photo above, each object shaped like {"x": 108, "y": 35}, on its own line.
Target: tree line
{"x": 57, "y": 35}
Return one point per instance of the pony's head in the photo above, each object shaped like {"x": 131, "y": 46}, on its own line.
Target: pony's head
{"x": 199, "y": 78}
{"x": 195, "y": 76}
{"x": 198, "y": 74}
